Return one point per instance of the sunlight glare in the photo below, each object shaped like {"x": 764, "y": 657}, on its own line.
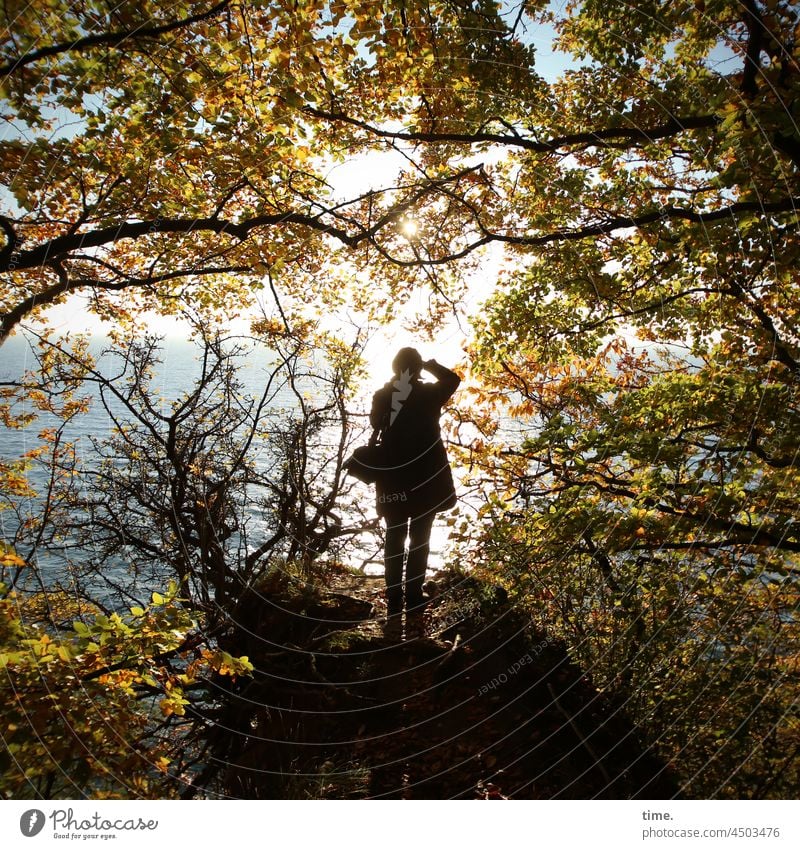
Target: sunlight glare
{"x": 409, "y": 227}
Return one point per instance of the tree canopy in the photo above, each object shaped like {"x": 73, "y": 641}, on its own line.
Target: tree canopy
{"x": 630, "y": 427}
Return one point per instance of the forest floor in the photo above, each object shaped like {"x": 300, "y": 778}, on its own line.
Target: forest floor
{"x": 478, "y": 706}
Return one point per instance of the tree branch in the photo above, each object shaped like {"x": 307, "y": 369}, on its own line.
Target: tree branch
{"x": 603, "y": 228}
{"x": 781, "y": 352}
{"x": 113, "y": 39}
{"x": 49, "y": 295}
{"x": 51, "y": 251}
{"x": 751, "y": 536}
{"x": 608, "y": 137}
{"x": 61, "y": 245}
{"x": 10, "y": 233}
{"x": 755, "y": 39}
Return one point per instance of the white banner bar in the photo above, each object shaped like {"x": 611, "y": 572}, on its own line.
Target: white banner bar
{"x": 402, "y": 825}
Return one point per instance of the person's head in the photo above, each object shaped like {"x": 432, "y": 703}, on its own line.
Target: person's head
{"x": 407, "y": 360}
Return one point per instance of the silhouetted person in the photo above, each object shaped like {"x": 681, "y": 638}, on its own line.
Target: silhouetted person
{"x": 419, "y": 482}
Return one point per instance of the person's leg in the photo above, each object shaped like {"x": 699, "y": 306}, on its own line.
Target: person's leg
{"x": 419, "y": 546}
{"x": 393, "y": 554}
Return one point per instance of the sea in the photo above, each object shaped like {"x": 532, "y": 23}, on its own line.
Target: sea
{"x": 177, "y": 368}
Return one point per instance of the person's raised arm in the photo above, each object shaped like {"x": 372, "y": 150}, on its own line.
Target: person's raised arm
{"x": 447, "y": 380}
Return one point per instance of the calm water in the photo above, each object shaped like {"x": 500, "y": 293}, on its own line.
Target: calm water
{"x": 172, "y": 377}
{"x": 175, "y": 374}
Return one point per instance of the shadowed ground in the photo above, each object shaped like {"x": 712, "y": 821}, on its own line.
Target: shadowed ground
{"x": 482, "y": 706}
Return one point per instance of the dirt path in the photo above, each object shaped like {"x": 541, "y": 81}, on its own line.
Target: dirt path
{"x": 479, "y": 707}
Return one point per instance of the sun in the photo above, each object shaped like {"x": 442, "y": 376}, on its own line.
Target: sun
{"x": 409, "y": 227}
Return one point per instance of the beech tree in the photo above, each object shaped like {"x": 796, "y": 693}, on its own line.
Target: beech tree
{"x": 193, "y": 164}
{"x": 649, "y": 337}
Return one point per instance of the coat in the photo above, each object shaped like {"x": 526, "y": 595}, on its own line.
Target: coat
{"x": 419, "y": 481}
